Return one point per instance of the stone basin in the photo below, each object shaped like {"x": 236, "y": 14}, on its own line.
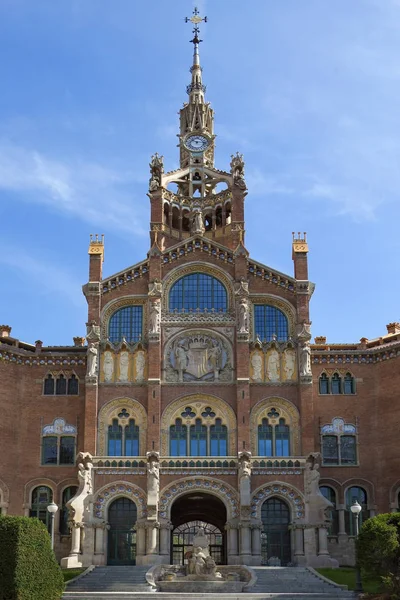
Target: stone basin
{"x": 171, "y": 578}
{"x": 184, "y": 586}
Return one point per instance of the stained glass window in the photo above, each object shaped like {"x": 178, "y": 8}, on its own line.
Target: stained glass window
{"x": 269, "y": 321}
{"x": 330, "y": 450}
{"x": 218, "y": 439}
{"x": 198, "y": 291}
{"x": 273, "y": 440}
{"x": 339, "y": 443}
{"x": 265, "y": 439}
{"x": 67, "y": 450}
{"x": 282, "y": 439}
{"x": 126, "y": 323}
{"x": 131, "y": 439}
{"x": 198, "y": 439}
{"x": 348, "y": 450}
{"x": 49, "y": 450}
{"x": 58, "y": 450}
{"x": 115, "y": 439}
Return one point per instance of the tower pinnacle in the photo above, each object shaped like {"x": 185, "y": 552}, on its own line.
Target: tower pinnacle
{"x": 196, "y": 88}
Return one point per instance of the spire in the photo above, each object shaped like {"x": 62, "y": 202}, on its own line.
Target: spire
{"x": 196, "y": 88}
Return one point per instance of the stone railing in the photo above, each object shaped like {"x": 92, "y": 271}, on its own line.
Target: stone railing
{"x": 199, "y": 462}
{"x": 289, "y": 462}
{"x": 124, "y": 462}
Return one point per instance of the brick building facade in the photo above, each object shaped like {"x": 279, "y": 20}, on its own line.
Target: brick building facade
{"x": 197, "y": 395}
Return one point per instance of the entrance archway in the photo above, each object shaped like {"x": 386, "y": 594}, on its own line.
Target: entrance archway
{"x": 275, "y": 535}
{"x": 122, "y": 517}
{"x": 188, "y": 514}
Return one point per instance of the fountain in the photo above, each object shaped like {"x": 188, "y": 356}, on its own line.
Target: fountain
{"x": 200, "y": 575}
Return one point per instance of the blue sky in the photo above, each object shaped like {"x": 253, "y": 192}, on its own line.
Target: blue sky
{"x": 308, "y": 91}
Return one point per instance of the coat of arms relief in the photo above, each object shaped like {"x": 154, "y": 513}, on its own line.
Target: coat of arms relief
{"x": 198, "y": 356}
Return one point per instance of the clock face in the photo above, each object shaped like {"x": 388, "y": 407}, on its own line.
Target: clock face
{"x": 197, "y": 143}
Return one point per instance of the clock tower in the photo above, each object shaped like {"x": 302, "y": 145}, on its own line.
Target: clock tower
{"x": 197, "y": 199}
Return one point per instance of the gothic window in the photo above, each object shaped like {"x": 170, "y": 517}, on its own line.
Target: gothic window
{"x": 42, "y": 496}
{"x": 123, "y": 440}
{"x": 115, "y": 439}
{"x": 131, "y": 439}
{"x": 58, "y": 443}
{"x": 352, "y": 494}
{"x": 324, "y": 384}
{"x": 348, "y": 386}
{"x": 68, "y": 493}
{"x": 198, "y": 292}
{"x": 339, "y": 443}
{"x": 330, "y": 494}
{"x": 336, "y": 384}
{"x": 273, "y": 440}
{"x": 178, "y": 439}
{"x": 48, "y": 388}
{"x": 205, "y": 436}
{"x": 126, "y": 323}
{"x": 218, "y": 439}
{"x": 61, "y": 385}
{"x": 270, "y": 323}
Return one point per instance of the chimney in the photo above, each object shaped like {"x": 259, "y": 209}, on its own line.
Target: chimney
{"x": 299, "y": 255}
{"x": 363, "y": 343}
{"x": 79, "y": 341}
{"x": 393, "y": 328}
{"x": 38, "y": 346}
{"x": 5, "y": 331}
{"x": 320, "y": 340}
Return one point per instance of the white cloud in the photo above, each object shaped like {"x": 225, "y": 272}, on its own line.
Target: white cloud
{"x": 89, "y": 191}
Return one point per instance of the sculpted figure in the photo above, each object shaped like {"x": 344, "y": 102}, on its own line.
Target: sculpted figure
{"x": 305, "y": 360}
{"x": 108, "y": 366}
{"x": 214, "y": 359}
{"x": 243, "y": 316}
{"x": 197, "y": 223}
{"x": 273, "y": 368}
{"x": 140, "y": 365}
{"x": 256, "y": 363}
{"x": 197, "y": 563}
{"x": 289, "y": 363}
{"x": 153, "y": 476}
{"x": 181, "y": 358}
{"x": 155, "y": 317}
{"x": 156, "y": 170}
{"x": 124, "y": 366}
{"x": 92, "y": 360}
{"x": 155, "y": 288}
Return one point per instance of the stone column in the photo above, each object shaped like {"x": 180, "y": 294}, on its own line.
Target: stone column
{"x": 152, "y": 557}
{"x": 232, "y": 529}
{"x": 256, "y": 542}
{"x": 245, "y": 542}
{"x": 140, "y": 542}
{"x": 323, "y": 541}
{"x": 75, "y": 539}
{"x": 342, "y": 526}
{"x": 298, "y": 542}
{"x": 99, "y": 557}
{"x": 165, "y": 537}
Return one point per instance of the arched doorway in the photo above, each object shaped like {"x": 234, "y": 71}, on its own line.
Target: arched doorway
{"x": 188, "y": 514}
{"x": 275, "y": 535}
{"x": 122, "y": 517}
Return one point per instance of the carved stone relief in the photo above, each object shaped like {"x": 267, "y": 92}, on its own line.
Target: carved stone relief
{"x": 198, "y": 356}
{"x": 273, "y": 363}
{"x": 122, "y": 365}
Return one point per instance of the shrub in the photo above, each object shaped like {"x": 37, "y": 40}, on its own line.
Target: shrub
{"x": 378, "y": 549}
{"x": 28, "y": 567}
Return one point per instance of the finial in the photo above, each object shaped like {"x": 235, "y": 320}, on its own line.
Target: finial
{"x": 196, "y": 19}
{"x": 196, "y": 85}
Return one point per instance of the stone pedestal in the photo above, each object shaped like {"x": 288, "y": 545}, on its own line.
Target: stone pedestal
{"x": 233, "y": 534}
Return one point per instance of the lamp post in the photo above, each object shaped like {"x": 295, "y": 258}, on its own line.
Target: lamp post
{"x": 52, "y": 508}
{"x": 356, "y": 509}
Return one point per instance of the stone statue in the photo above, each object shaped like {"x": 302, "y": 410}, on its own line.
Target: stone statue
{"x": 244, "y": 475}
{"x": 243, "y": 316}
{"x": 156, "y": 170}
{"x": 201, "y": 565}
{"x": 140, "y": 365}
{"x": 155, "y": 310}
{"x": 124, "y": 366}
{"x": 108, "y": 366}
{"x": 242, "y": 287}
{"x": 92, "y": 360}
{"x": 317, "y": 504}
{"x": 289, "y": 363}
{"x": 153, "y": 477}
{"x": 181, "y": 359}
{"x": 305, "y": 360}
{"x": 256, "y": 363}
{"x": 155, "y": 288}
{"x": 197, "y": 222}
{"x": 273, "y": 367}
{"x": 214, "y": 359}
{"x": 237, "y": 170}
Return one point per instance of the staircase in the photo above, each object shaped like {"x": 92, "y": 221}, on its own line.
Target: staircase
{"x": 129, "y": 583}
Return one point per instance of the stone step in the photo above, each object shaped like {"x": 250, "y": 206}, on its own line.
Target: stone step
{"x": 167, "y": 596}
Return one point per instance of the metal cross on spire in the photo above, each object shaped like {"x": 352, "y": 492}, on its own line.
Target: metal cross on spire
{"x": 196, "y": 19}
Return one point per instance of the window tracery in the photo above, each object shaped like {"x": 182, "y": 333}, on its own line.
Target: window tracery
{"x": 339, "y": 443}
{"x": 198, "y": 292}
{"x": 122, "y": 428}
{"x": 337, "y": 383}
{"x": 60, "y": 384}
{"x": 270, "y": 323}
{"x": 274, "y": 428}
{"x": 126, "y": 323}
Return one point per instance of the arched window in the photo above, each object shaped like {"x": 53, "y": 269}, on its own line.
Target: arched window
{"x": 270, "y": 323}
{"x": 42, "y": 496}
{"x": 218, "y": 439}
{"x": 115, "y": 439}
{"x": 339, "y": 443}
{"x": 126, "y": 323}
{"x": 324, "y": 384}
{"x": 359, "y": 494}
{"x": 58, "y": 443}
{"x": 73, "y": 386}
{"x": 123, "y": 440}
{"x": 68, "y": 493}
{"x": 178, "y": 439}
{"x": 198, "y": 439}
{"x": 349, "y": 387}
{"x": 336, "y": 384}
{"x": 273, "y": 440}
{"x": 330, "y": 494}
{"x": 61, "y": 385}
{"x": 48, "y": 387}
{"x": 198, "y": 292}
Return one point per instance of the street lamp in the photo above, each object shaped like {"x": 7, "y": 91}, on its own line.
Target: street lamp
{"x": 52, "y": 508}
{"x": 356, "y": 509}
